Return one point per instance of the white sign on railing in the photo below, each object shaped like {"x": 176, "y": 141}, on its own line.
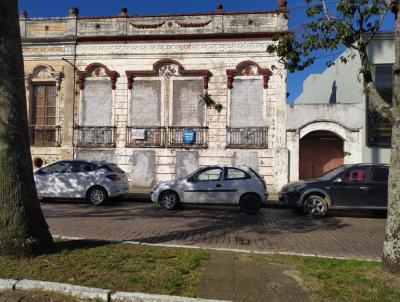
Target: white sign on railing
{"x": 138, "y": 134}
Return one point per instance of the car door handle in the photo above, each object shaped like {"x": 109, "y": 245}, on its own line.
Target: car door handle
{"x": 218, "y": 185}
{"x": 364, "y": 188}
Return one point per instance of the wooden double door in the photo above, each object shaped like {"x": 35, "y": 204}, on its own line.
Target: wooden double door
{"x": 319, "y": 152}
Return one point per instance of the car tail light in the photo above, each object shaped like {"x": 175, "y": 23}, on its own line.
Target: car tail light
{"x": 113, "y": 177}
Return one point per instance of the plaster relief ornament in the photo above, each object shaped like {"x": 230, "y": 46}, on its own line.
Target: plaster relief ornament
{"x": 98, "y": 72}
{"x": 168, "y": 70}
{"x": 43, "y": 72}
{"x": 249, "y": 70}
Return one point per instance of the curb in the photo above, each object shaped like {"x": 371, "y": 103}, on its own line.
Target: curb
{"x": 195, "y": 247}
{"x": 140, "y": 297}
{"x": 7, "y": 284}
{"x": 65, "y": 289}
{"x": 97, "y": 294}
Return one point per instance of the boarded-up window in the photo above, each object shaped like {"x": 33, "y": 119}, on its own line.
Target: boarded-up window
{"x": 97, "y": 103}
{"x": 145, "y": 104}
{"x": 188, "y": 110}
{"x": 247, "y": 103}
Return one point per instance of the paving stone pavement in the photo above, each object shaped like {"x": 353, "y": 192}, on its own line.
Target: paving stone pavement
{"x": 274, "y": 229}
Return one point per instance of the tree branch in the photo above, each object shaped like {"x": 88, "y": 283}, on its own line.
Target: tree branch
{"x": 377, "y": 102}
{"x": 376, "y": 27}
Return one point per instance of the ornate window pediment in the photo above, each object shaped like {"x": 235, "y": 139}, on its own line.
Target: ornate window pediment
{"x": 45, "y": 73}
{"x": 167, "y": 68}
{"x": 247, "y": 68}
{"x": 97, "y": 70}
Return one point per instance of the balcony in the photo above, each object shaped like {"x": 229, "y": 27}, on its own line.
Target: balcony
{"x": 95, "y": 136}
{"x": 145, "y": 137}
{"x": 199, "y": 137}
{"x": 45, "y": 135}
{"x": 247, "y": 138}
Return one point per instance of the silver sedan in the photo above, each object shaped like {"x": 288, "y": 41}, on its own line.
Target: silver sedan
{"x": 214, "y": 185}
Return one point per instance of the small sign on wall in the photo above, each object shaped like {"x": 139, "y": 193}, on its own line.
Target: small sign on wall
{"x": 138, "y": 134}
{"x": 189, "y": 136}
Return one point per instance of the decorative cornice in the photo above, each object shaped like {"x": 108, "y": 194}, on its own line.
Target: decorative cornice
{"x": 199, "y": 24}
{"x": 246, "y": 68}
{"x": 94, "y": 67}
{"x": 131, "y": 74}
{"x": 179, "y": 37}
{"x": 168, "y": 48}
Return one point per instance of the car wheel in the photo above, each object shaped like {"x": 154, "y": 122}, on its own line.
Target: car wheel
{"x": 250, "y": 203}
{"x": 315, "y": 206}
{"x": 97, "y": 196}
{"x": 169, "y": 200}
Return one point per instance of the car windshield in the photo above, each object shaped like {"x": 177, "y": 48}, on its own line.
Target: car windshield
{"x": 331, "y": 173}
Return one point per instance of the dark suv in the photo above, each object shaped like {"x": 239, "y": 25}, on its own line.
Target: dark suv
{"x": 359, "y": 186}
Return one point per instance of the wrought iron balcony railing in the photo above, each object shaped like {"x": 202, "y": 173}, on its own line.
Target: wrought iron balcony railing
{"x": 45, "y": 135}
{"x": 251, "y": 138}
{"x": 145, "y": 137}
{"x": 95, "y": 136}
{"x": 196, "y": 137}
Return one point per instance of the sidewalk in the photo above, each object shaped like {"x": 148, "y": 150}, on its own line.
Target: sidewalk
{"x": 249, "y": 278}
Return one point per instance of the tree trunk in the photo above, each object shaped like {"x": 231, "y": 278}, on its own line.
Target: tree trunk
{"x": 391, "y": 245}
{"x": 23, "y": 229}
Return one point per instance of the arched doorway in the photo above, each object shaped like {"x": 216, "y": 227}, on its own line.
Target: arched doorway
{"x": 320, "y": 151}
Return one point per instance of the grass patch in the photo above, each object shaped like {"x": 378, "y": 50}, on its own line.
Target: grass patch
{"x": 122, "y": 267}
{"x": 344, "y": 280}
{"x": 178, "y": 271}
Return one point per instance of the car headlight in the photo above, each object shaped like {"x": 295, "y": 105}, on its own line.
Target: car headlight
{"x": 295, "y": 188}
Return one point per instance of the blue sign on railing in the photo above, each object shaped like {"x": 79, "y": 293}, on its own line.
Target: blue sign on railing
{"x": 188, "y": 136}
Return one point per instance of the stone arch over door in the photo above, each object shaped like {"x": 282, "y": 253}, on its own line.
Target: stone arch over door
{"x": 319, "y": 152}
{"x": 351, "y": 138}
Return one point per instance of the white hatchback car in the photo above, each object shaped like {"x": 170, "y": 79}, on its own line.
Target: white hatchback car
{"x": 214, "y": 185}
{"x": 93, "y": 180}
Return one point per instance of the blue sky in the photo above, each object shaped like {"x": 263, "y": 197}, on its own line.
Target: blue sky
{"x": 59, "y": 8}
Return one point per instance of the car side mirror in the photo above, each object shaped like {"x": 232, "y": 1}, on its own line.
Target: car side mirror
{"x": 338, "y": 180}
{"x": 190, "y": 179}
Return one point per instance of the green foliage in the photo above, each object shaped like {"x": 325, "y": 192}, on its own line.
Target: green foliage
{"x": 209, "y": 101}
{"x": 347, "y": 24}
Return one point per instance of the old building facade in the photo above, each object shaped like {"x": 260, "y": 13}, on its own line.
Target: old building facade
{"x": 158, "y": 95}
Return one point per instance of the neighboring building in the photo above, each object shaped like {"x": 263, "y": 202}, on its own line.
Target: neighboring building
{"x": 127, "y": 89}
{"x": 331, "y": 122}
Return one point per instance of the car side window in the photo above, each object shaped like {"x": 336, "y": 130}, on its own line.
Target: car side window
{"x": 213, "y": 174}
{"x": 233, "y": 173}
{"x": 380, "y": 174}
{"x": 355, "y": 175}
{"x": 60, "y": 167}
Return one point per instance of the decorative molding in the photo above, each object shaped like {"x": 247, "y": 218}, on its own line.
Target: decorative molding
{"x": 247, "y": 68}
{"x": 203, "y": 47}
{"x": 97, "y": 70}
{"x": 198, "y": 24}
{"x": 167, "y": 67}
{"x": 147, "y": 26}
{"x": 42, "y": 50}
{"x": 201, "y": 35}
